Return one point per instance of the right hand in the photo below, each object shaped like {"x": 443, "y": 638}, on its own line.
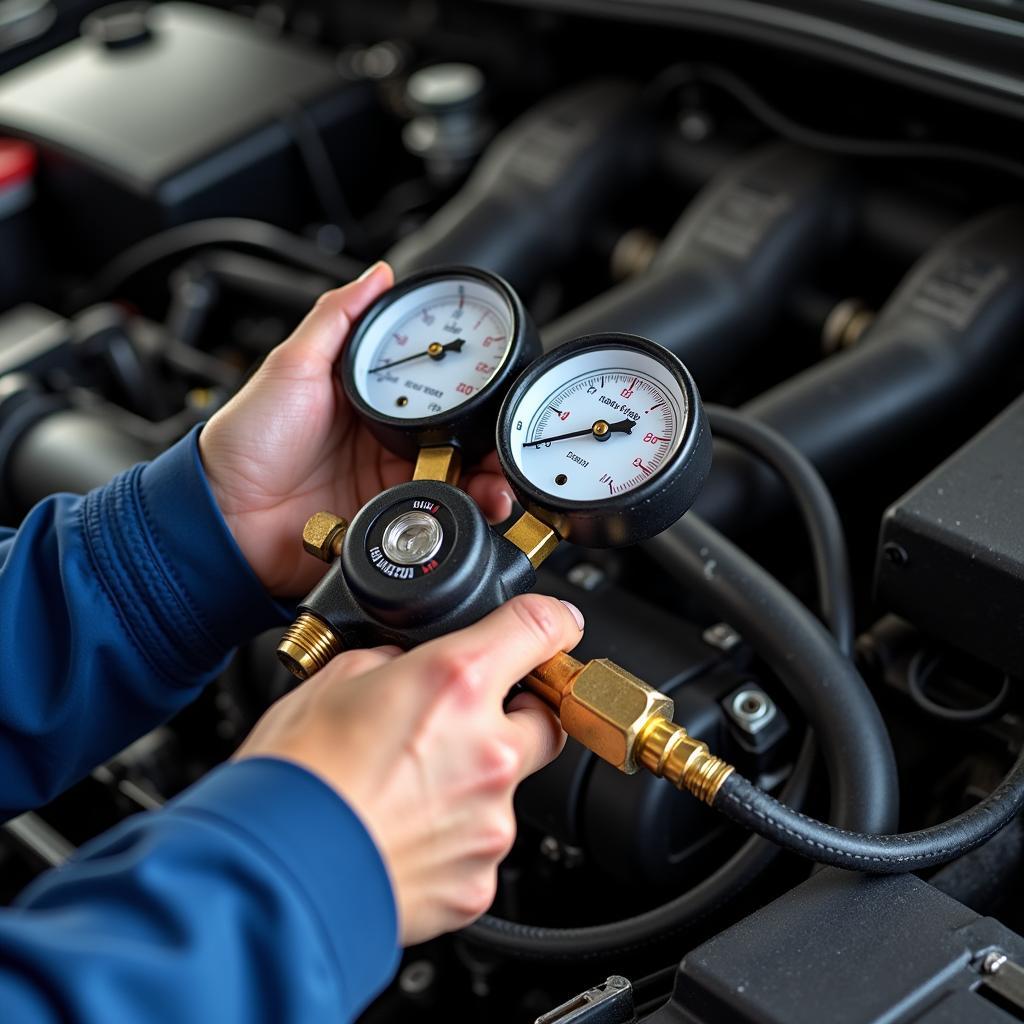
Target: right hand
{"x": 420, "y": 747}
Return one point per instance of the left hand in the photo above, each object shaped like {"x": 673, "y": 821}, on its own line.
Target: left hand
{"x": 289, "y": 444}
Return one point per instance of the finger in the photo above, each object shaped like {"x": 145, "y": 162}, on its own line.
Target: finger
{"x": 538, "y": 734}
{"x": 326, "y": 326}
{"x": 501, "y": 648}
{"x": 492, "y": 493}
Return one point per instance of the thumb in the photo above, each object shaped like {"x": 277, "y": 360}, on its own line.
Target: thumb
{"x": 326, "y": 326}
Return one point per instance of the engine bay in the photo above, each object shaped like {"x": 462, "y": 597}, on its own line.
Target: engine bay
{"x": 828, "y": 234}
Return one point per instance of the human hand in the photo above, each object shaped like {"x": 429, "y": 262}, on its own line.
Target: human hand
{"x": 419, "y": 746}
{"x": 289, "y": 444}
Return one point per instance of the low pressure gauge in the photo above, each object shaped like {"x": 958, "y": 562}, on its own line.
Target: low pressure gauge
{"x": 431, "y": 359}
{"x": 605, "y": 439}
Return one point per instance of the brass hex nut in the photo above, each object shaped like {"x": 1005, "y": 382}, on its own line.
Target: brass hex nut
{"x": 322, "y": 535}
{"x": 607, "y": 707}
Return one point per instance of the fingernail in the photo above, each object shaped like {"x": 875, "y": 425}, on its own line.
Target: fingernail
{"x": 370, "y": 271}
{"x": 576, "y": 614}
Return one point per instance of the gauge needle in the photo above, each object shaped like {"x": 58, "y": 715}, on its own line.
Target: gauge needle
{"x": 599, "y": 431}
{"x": 435, "y": 350}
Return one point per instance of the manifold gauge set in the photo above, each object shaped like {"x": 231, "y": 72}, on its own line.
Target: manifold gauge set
{"x": 603, "y": 440}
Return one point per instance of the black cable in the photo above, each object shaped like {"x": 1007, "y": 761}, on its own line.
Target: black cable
{"x": 227, "y": 232}
{"x": 723, "y": 885}
{"x": 742, "y": 801}
{"x": 820, "y": 516}
{"x": 309, "y": 143}
{"x": 919, "y": 672}
{"x": 894, "y": 149}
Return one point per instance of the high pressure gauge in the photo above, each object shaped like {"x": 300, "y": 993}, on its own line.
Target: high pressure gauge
{"x": 605, "y": 439}
{"x": 431, "y": 359}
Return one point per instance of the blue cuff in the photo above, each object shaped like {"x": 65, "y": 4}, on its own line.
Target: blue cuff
{"x": 183, "y": 588}
{"x": 322, "y": 850}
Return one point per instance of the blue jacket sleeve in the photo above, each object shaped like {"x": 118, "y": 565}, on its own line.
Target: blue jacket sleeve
{"x": 257, "y": 897}
{"x": 115, "y": 610}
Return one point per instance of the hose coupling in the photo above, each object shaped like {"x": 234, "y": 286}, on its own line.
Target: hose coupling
{"x": 670, "y": 752}
{"x": 307, "y": 645}
{"x": 626, "y": 723}
{"x": 600, "y": 704}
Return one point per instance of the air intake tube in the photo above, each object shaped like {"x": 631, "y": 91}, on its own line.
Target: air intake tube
{"x": 952, "y": 326}
{"x": 538, "y": 186}
{"x": 727, "y": 268}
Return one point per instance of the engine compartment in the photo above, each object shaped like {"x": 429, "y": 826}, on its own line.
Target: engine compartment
{"x": 835, "y": 247}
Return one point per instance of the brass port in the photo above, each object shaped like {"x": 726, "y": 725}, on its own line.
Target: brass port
{"x": 535, "y": 539}
{"x": 441, "y": 462}
{"x": 307, "y": 645}
{"x": 626, "y": 723}
{"x": 323, "y": 535}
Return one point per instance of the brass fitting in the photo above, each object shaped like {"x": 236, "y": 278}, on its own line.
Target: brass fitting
{"x": 670, "y": 752}
{"x": 323, "y": 534}
{"x": 535, "y": 539}
{"x": 307, "y": 645}
{"x": 626, "y": 723}
{"x": 442, "y": 462}
{"x": 601, "y": 705}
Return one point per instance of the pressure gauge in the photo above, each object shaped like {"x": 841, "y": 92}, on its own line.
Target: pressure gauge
{"x": 431, "y": 359}
{"x": 605, "y": 439}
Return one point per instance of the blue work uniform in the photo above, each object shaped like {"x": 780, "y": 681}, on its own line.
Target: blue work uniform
{"x": 257, "y": 895}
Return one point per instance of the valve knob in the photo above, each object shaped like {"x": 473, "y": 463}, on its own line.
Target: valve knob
{"x": 323, "y": 534}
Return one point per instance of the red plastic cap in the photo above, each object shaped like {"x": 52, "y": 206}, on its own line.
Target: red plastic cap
{"x": 17, "y": 162}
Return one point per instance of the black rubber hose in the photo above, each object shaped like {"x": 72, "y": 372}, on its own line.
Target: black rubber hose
{"x": 822, "y": 521}
{"x": 742, "y": 801}
{"x": 824, "y": 683}
{"x": 818, "y": 510}
{"x": 222, "y": 232}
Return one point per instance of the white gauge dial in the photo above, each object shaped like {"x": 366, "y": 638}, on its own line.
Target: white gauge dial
{"x": 433, "y": 348}
{"x": 598, "y": 424}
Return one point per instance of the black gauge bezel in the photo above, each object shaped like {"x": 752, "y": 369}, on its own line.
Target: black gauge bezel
{"x": 468, "y": 425}
{"x": 638, "y": 514}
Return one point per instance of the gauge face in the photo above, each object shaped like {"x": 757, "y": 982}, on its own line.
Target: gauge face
{"x": 597, "y": 425}
{"x": 605, "y": 440}
{"x": 435, "y": 347}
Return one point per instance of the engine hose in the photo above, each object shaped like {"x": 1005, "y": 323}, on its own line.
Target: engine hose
{"x": 824, "y": 683}
{"x": 831, "y": 563}
{"x": 749, "y": 806}
{"x": 183, "y": 240}
{"x": 532, "y": 942}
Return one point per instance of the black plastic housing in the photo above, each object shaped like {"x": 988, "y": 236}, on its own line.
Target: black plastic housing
{"x": 638, "y": 514}
{"x": 199, "y": 118}
{"x": 847, "y": 949}
{"x": 468, "y": 425}
{"x": 951, "y": 553}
